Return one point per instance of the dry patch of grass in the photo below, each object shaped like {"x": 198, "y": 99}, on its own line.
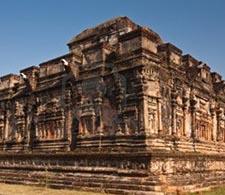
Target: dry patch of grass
{"x": 216, "y": 191}
{"x": 6, "y": 189}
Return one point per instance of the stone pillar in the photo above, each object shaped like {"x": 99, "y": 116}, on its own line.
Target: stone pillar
{"x": 27, "y": 112}
{"x": 185, "y": 109}
{"x": 136, "y": 128}
{"x": 219, "y": 132}
{"x": 126, "y": 128}
{"x": 174, "y": 117}
{"x": 98, "y": 102}
{"x": 141, "y": 89}
{"x": 119, "y": 93}
{"x": 214, "y": 124}
{"x": 80, "y": 130}
{"x": 57, "y": 130}
{"x": 159, "y": 114}
{"x": 62, "y": 130}
{"x": 67, "y": 130}
{"x": 193, "y": 103}
{"x": 44, "y": 131}
{"x": 79, "y": 113}
{"x": 84, "y": 126}
{"x": 6, "y": 125}
{"x": 26, "y": 136}
{"x": 93, "y": 119}
{"x": 68, "y": 125}
{"x": 38, "y": 128}
{"x": 144, "y": 116}
{"x": 174, "y": 125}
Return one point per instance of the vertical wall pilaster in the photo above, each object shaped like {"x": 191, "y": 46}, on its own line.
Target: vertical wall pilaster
{"x": 219, "y": 132}
{"x": 6, "y": 126}
{"x": 193, "y": 103}
{"x": 174, "y": 110}
{"x": 214, "y": 124}
{"x": 185, "y": 110}
{"x": 159, "y": 113}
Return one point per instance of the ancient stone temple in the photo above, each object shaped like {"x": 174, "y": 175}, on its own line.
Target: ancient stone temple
{"x": 122, "y": 112}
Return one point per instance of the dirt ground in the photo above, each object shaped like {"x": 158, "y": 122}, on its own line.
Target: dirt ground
{"x": 6, "y": 189}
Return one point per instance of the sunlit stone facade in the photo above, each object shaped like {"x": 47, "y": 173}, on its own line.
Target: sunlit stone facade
{"x": 120, "y": 103}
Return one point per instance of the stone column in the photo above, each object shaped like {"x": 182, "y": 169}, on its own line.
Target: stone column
{"x": 66, "y": 134}
{"x": 219, "y": 133}
{"x": 185, "y": 109}
{"x": 67, "y": 130}
{"x": 119, "y": 92}
{"x": 62, "y": 130}
{"x": 126, "y": 128}
{"x": 98, "y": 103}
{"x": 33, "y": 123}
{"x": 136, "y": 128}
{"x": 7, "y": 120}
{"x": 85, "y": 130}
{"x": 214, "y": 124}
{"x": 174, "y": 117}
{"x": 57, "y": 130}
{"x": 38, "y": 128}
{"x": 144, "y": 116}
{"x": 6, "y": 125}
{"x": 79, "y": 114}
{"x": 193, "y": 103}
{"x": 141, "y": 90}
{"x": 159, "y": 114}
{"x": 93, "y": 123}
{"x": 80, "y": 127}
{"x": 27, "y": 112}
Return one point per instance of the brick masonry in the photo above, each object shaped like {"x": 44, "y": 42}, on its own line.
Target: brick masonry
{"x": 122, "y": 112}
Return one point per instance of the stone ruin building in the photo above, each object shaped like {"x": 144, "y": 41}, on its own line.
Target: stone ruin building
{"x": 122, "y": 112}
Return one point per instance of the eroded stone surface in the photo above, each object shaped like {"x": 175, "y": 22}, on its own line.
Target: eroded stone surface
{"x": 120, "y": 89}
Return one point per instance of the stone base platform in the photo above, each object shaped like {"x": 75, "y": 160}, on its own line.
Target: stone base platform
{"x": 51, "y": 145}
{"x": 155, "y": 173}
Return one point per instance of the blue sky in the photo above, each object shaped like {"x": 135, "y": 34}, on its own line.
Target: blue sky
{"x": 33, "y": 31}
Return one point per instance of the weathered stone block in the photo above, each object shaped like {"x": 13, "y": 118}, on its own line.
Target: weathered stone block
{"x": 122, "y": 112}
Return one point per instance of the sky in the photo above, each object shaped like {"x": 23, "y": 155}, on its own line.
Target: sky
{"x": 34, "y": 31}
